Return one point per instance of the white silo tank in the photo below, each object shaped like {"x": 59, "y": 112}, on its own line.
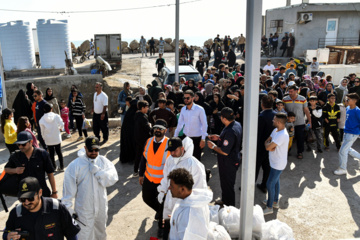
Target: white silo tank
{"x": 17, "y": 45}
{"x": 53, "y": 37}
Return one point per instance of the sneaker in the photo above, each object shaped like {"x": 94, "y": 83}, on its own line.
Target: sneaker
{"x": 340, "y": 171}
{"x": 80, "y": 138}
{"x": 135, "y": 174}
{"x": 68, "y": 135}
{"x": 319, "y": 150}
{"x": 275, "y": 204}
{"x": 60, "y": 169}
{"x": 268, "y": 211}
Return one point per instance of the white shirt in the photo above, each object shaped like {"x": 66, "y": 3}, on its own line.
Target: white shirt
{"x": 194, "y": 120}
{"x": 100, "y": 101}
{"x": 278, "y": 158}
{"x": 271, "y": 68}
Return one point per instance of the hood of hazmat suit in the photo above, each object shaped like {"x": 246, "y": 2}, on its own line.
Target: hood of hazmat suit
{"x": 191, "y": 217}
{"x": 86, "y": 180}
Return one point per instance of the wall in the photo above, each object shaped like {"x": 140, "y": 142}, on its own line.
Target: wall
{"x": 61, "y": 87}
{"x": 307, "y": 35}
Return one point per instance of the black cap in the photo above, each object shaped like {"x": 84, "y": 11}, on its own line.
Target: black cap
{"x": 303, "y": 84}
{"x": 160, "y": 123}
{"x": 47, "y": 107}
{"x": 28, "y": 187}
{"x": 174, "y": 143}
{"x": 23, "y": 137}
{"x": 92, "y": 142}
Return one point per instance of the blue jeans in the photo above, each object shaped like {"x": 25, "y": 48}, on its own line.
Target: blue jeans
{"x": 346, "y": 149}
{"x": 273, "y": 186}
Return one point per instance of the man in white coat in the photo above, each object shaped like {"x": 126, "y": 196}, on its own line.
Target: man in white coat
{"x": 86, "y": 179}
{"x": 181, "y": 157}
{"x": 191, "y": 216}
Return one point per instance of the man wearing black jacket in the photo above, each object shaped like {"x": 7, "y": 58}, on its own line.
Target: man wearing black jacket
{"x": 265, "y": 128}
{"x": 142, "y": 132}
{"x": 331, "y": 116}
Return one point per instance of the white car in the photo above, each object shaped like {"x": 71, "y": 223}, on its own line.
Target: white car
{"x": 167, "y": 74}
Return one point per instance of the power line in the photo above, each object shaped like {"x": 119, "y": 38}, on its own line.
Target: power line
{"x": 97, "y": 11}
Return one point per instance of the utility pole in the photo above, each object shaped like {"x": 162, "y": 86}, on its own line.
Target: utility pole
{"x": 252, "y": 66}
{"x": 177, "y": 14}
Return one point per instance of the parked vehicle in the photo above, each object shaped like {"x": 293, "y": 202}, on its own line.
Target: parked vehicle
{"x": 108, "y": 46}
{"x": 167, "y": 74}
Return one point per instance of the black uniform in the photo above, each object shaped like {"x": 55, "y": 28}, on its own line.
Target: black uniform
{"x": 230, "y": 143}
{"x": 36, "y": 166}
{"x": 52, "y": 221}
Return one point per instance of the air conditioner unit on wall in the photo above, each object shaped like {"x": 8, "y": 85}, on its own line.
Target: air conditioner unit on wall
{"x": 306, "y": 17}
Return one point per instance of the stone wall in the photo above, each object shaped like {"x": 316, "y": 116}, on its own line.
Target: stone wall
{"x": 61, "y": 87}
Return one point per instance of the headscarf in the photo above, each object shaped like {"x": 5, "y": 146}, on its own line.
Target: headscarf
{"x": 344, "y": 89}
{"x": 30, "y": 92}
{"x": 208, "y": 88}
{"x": 48, "y": 97}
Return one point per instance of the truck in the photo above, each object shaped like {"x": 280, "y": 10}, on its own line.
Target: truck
{"x": 108, "y": 46}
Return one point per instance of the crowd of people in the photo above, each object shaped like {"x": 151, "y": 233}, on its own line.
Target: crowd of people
{"x": 163, "y": 134}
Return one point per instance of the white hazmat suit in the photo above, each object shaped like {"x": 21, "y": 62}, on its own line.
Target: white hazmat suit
{"x": 86, "y": 180}
{"x": 191, "y": 216}
{"x": 190, "y": 163}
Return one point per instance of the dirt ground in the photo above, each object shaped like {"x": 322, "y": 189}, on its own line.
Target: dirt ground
{"x": 314, "y": 202}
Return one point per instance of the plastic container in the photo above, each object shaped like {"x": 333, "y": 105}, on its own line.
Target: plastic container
{"x": 54, "y": 40}
{"x": 17, "y": 45}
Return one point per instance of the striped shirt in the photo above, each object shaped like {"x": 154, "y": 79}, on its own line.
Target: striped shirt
{"x": 77, "y": 107}
{"x": 296, "y": 106}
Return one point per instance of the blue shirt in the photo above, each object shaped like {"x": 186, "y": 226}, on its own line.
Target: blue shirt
{"x": 276, "y": 77}
{"x": 193, "y": 121}
{"x": 352, "y": 122}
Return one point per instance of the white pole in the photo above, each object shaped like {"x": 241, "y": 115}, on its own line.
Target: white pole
{"x": 177, "y": 41}
{"x": 252, "y": 71}
{"x": 3, "y": 103}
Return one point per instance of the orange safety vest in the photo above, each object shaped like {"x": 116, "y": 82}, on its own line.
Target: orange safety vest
{"x": 155, "y": 161}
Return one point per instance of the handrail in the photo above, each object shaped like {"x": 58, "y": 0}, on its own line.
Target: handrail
{"x": 322, "y": 42}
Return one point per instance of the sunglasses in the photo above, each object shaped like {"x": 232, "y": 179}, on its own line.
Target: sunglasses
{"x": 24, "y": 144}
{"x": 94, "y": 150}
{"x": 156, "y": 129}
{"x": 29, "y": 199}
{"x": 357, "y": 81}
{"x": 186, "y": 98}
{"x": 34, "y": 96}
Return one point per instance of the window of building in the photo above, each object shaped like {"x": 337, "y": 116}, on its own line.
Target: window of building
{"x": 276, "y": 25}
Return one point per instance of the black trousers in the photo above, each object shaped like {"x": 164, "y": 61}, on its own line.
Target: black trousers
{"x": 79, "y": 122}
{"x": 40, "y": 138}
{"x": 152, "y": 50}
{"x": 300, "y": 137}
{"x": 335, "y": 133}
{"x": 71, "y": 121}
{"x": 57, "y": 149}
{"x": 284, "y": 50}
{"x": 149, "y": 195}
{"x": 197, "y": 149}
{"x": 227, "y": 172}
{"x": 11, "y": 147}
{"x": 102, "y": 125}
{"x": 262, "y": 160}
{"x": 242, "y": 48}
{"x": 290, "y": 51}
{"x": 341, "y": 134}
{"x": 139, "y": 149}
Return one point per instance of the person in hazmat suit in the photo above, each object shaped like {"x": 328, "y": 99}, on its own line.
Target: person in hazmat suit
{"x": 181, "y": 157}
{"x": 85, "y": 180}
{"x": 191, "y": 215}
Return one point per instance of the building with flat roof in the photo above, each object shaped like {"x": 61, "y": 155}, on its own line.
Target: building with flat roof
{"x": 315, "y": 25}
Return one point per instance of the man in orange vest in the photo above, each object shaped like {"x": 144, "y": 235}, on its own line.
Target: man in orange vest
{"x": 152, "y": 165}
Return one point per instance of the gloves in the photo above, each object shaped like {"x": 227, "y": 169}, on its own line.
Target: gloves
{"x": 160, "y": 197}
{"x": 94, "y": 169}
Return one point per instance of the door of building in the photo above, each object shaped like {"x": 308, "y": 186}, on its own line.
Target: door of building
{"x": 331, "y": 31}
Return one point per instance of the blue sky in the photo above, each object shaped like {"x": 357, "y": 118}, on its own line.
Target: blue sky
{"x": 198, "y": 20}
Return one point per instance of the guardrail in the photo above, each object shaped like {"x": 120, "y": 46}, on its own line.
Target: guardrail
{"x": 323, "y": 42}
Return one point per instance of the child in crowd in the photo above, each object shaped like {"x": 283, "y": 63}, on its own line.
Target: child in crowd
{"x": 290, "y": 127}
{"x": 65, "y": 117}
{"x": 25, "y": 125}
{"x": 341, "y": 124}
{"x": 280, "y": 107}
{"x": 316, "y": 122}
{"x": 331, "y": 116}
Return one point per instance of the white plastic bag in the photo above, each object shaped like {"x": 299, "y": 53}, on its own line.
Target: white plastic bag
{"x": 217, "y": 232}
{"x": 229, "y": 218}
{"x": 258, "y": 220}
{"x": 276, "y": 230}
{"x": 214, "y": 213}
